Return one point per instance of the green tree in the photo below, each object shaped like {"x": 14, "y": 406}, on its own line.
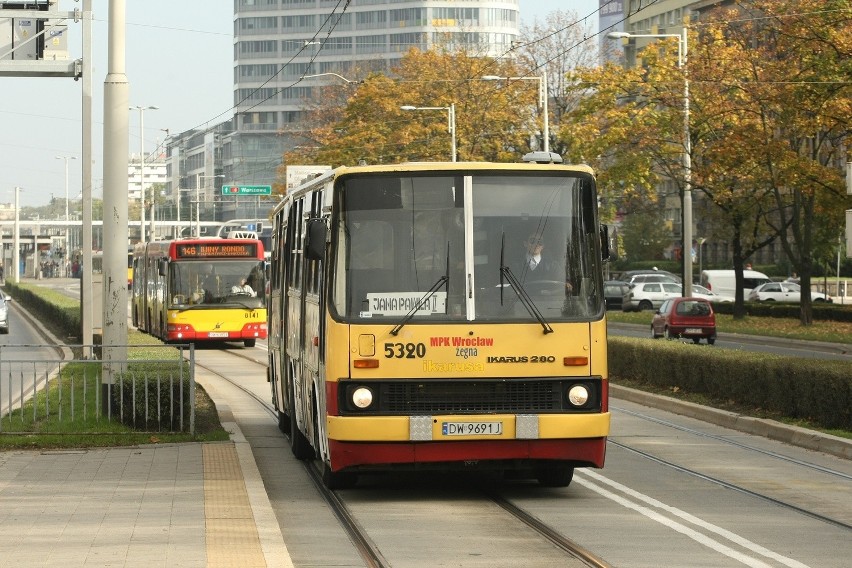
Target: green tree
{"x": 645, "y": 236}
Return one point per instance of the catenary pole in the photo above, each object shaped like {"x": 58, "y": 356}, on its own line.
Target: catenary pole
{"x": 86, "y": 295}
{"x": 116, "y": 118}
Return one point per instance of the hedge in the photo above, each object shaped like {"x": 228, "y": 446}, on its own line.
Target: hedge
{"x": 810, "y": 389}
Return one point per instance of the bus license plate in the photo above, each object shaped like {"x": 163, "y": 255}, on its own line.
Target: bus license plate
{"x": 218, "y": 334}
{"x": 471, "y": 428}
{"x": 694, "y": 330}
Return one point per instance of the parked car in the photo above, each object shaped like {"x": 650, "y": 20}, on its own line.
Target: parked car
{"x": 700, "y": 291}
{"x": 649, "y": 295}
{"x": 724, "y": 282}
{"x": 691, "y": 317}
{"x": 639, "y": 278}
{"x": 4, "y": 312}
{"x": 783, "y": 292}
{"x": 653, "y": 275}
{"x": 614, "y": 291}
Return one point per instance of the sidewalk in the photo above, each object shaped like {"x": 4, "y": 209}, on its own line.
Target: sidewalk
{"x": 160, "y": 505}
{"x": 163, "y": 505}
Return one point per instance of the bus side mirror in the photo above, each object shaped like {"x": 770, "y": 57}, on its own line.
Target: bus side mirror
{"x": 315, "y": 239}
{"x": 605, "y": 251}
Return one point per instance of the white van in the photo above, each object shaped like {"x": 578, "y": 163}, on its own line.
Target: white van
{"x": 723, "y": 281}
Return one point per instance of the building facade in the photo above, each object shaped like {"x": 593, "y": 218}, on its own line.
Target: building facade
{"x": 284, "y": 50}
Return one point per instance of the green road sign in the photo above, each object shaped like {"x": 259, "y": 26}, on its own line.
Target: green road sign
{"x": 246, "y": 190}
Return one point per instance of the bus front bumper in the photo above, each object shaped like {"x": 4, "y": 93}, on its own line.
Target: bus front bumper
{"x": 379, "y": 440}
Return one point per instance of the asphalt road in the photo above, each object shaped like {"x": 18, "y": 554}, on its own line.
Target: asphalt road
{"x": 757, "y": 343}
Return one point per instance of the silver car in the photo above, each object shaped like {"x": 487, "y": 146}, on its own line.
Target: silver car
{"x": 4, "y": 313}
{"x": 649, "y": 295}
{"x": 783, "y": 292}
{"x": 701, "y": 292}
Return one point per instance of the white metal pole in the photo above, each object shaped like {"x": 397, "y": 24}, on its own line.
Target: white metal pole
{"x": 197, "y": 206}
{"x": 68, "y": 244}
{"x": 452, "y": 119}
{"x": 544, "y": 96}
{"x": 16, "y": 239}
{"x": 141, "y": 174}
{"x": 87, "y": 306}
{"x": 687, "y": 171}
{"x": 115, "y": 164}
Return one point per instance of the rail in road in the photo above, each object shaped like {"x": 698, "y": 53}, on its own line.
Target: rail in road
{"x": 674, "y": 492}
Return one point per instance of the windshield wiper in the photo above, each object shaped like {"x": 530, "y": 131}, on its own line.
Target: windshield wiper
{"x": 442, "y": 281}
{"x": 506, "y": 272}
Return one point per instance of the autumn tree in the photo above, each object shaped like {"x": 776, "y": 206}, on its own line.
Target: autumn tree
{"x": 769, "y": 97}
{"x": 776, "y": 74}
{"x": 628, "y": 126}
{"x": 493, "y": 121}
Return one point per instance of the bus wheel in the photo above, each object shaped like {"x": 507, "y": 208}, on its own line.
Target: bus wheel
{"x": 338, "y": 479}
{"x": 250, "y": 342}
{"x": 299, "y": 444}
{"x": 555, "y": 475}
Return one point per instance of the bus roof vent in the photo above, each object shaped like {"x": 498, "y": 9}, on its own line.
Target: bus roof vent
{"x": 543, "y": 158}
{"x": 242, "y": 235}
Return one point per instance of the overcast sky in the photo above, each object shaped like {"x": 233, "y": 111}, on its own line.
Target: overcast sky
{"x": 40, "y": 119}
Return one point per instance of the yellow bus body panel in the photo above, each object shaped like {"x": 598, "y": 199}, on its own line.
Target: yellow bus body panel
{"x": 471, "y": 350}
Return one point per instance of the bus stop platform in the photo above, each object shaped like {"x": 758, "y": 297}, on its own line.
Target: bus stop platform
{"x": 192, "y": 504}
{"x": 169, "y": 505}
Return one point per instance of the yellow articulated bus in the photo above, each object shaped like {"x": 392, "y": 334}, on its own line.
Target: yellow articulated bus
{"x": 129, "y": 267}
{"x": 441, "y": 315}
{"x": 200, "y": 290}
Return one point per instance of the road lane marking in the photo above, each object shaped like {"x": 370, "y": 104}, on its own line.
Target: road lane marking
{"x": 681, "y": 528}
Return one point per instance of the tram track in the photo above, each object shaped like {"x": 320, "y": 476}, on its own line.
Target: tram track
{"x": 729, "y": 485}
{"x": 368, "y": 550}
{"x": 729, "y": 441}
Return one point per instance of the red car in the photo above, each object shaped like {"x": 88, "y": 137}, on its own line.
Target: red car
{"x": 685, "y": 317}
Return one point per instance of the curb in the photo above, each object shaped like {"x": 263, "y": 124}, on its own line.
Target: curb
{"x": 793, "y": 435}
{"x": 269, "y": 532}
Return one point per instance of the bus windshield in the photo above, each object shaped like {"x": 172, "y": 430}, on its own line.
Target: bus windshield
{"x": 217, "y": 282}
{"x": 491, "y": 246}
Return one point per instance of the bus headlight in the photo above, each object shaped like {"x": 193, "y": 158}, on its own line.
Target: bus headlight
{"x": 362, "y": 397}
{"x": 578, "y": 395}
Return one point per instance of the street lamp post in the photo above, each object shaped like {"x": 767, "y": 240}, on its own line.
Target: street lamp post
{"x": 16, "y": 239}
{"x": 198, "y": 178}
{"x": 542, "y": 101}
{"x": 451, "y": 121}
{"x": 687, "y": 150}
{"x": 142, "y": 110}
{"x": 330, "y": 75}
{"x": 67, "y": 218}
{"x": 178, "y": 227}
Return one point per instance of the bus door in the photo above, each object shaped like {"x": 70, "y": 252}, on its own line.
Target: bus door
{"x": 298, "y": 377}
{"x": 311, "y": 319}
